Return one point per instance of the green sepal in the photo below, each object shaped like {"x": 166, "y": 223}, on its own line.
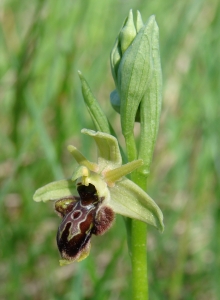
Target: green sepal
{"x": 131, "y": 201}
{"x": 108, "y": 148}
{"x": 99, "y": 118}
{"x": 55, "y": 190}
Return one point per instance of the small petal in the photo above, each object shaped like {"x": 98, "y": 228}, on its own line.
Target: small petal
{"x": 55, "y": 190}
{"x": 80, "y": 158}
{"x": 116, "y": 174}
{"x": 130, "y": 200}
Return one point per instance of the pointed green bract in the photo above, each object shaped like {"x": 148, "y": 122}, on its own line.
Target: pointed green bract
{"x": 151, "y": 107}
{"x": 98, "y": 116}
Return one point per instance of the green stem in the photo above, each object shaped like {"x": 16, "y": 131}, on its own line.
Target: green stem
{"x": 139, "y": 260}
{"x": 138, "y": 236}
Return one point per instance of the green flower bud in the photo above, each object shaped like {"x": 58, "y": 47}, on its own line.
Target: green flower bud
{"x": 123, "y": 41}
{"x": 133, "y": 71}
{"x": 138, "y": 78}
{"x": 128, "y": 33}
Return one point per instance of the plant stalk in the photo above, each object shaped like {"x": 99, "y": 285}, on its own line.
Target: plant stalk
{"x": 138, "y": 236}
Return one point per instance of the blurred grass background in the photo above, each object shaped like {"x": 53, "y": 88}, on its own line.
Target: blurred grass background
{"x": 42, "y": 45}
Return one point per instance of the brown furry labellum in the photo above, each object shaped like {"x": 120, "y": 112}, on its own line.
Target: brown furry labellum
{"x": 82, "y": 216}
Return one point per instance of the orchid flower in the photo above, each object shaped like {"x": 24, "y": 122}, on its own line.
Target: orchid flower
{"x": 103, "y": 190}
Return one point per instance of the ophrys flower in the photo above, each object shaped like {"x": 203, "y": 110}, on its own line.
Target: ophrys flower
{"x": 103, "y": 190}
